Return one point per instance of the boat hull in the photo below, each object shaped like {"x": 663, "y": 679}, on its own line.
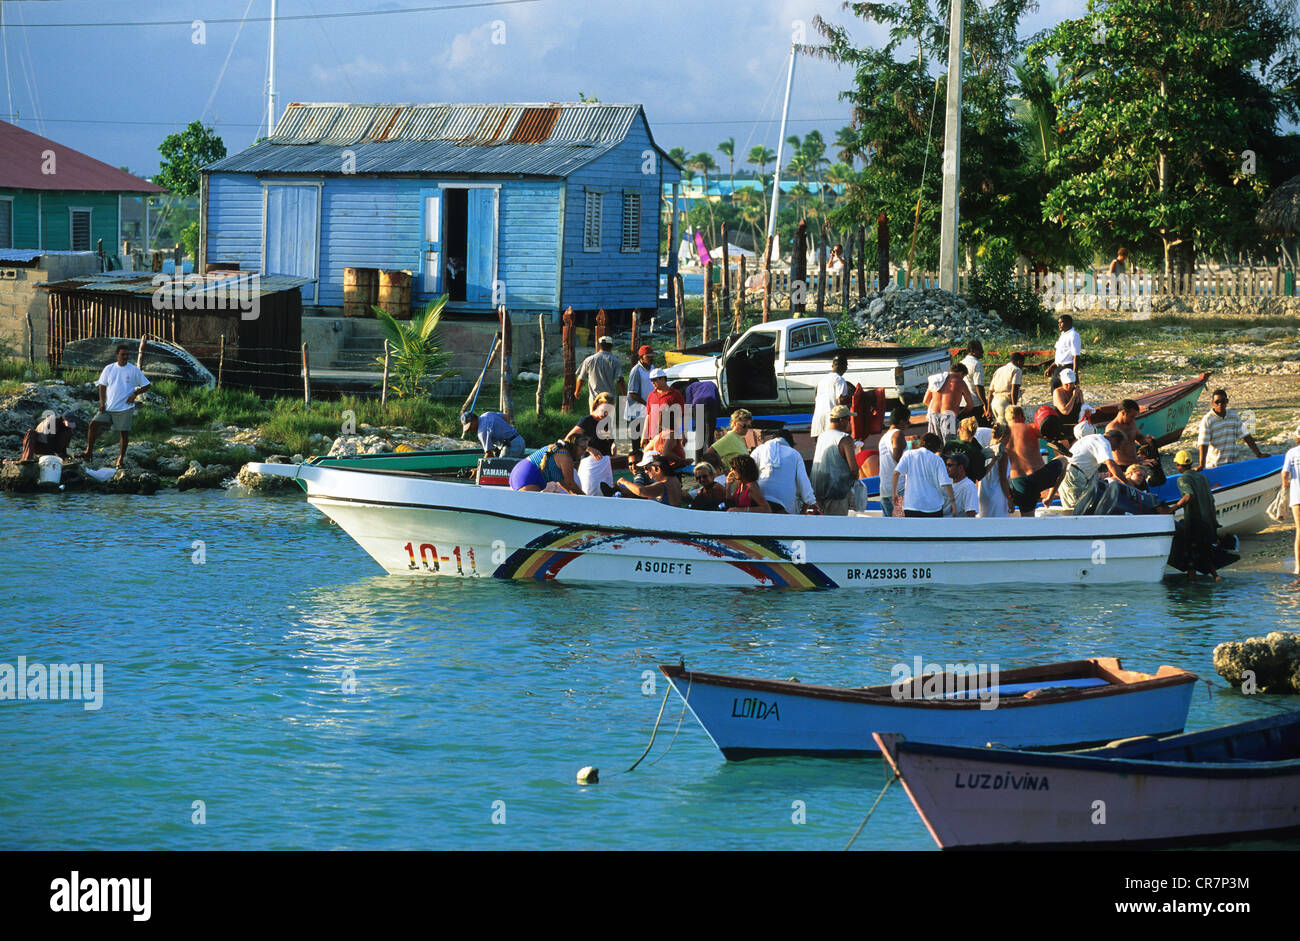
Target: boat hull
{"x": 752, "y": 720}
{"x": 411, "y": 524}
{"x": 1241, "y": 491}
{"x": 1001, "y": 799}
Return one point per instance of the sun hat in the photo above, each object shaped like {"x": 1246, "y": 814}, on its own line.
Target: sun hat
{"x": 1083, "y": 429}
{"x": 1067, "y": 375}
{"x": 1183, "y": 457}
{"x": 648, "y": 458}
{"x": 658, "y": 374}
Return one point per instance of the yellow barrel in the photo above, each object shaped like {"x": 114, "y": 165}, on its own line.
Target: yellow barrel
{"x": 360, "y": 291}
{"x": 395, "y": 293}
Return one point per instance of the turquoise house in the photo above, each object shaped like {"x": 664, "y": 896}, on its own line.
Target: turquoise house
{"x": 536, "y": 206}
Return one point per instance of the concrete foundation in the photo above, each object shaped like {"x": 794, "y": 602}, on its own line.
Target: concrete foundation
{"x": 23, "y": 295}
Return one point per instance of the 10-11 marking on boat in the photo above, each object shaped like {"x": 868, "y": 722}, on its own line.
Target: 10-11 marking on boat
{"x": 429, "y": 554}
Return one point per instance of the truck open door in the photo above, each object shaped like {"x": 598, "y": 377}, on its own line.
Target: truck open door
{"x": 748, "y": 371}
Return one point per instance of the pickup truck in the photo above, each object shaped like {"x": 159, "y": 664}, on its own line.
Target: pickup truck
{"x": 779, "y": 364}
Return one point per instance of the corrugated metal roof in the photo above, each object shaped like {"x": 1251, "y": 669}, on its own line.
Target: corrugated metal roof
{"x": 142, "y": 283}
{"x": 536, "y": 139}
{"x": 24, "y": 164}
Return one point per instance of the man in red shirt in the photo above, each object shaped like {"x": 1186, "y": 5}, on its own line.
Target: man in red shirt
{"x": 665, "y": 408}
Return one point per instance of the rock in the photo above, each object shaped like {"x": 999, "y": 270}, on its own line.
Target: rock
{"x": 19, "y": 476}
{"x": 346, "y": 445}
{"x": 147, "y": 483}
{"x": 199, "y": 476}
{"x": 172, "y": 466}
{"x": 266, "y": 483}
{"x": 1273, "y": 661}
{"x": 948, "y": 319}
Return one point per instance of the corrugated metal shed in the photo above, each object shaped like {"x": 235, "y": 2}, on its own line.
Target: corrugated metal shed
{"x": 141, "y": 283}
{"x": 530, "y": 139}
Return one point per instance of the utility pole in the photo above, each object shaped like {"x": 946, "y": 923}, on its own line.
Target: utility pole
{"x": 270, "y": 79}
{"x": 949, "y": 257}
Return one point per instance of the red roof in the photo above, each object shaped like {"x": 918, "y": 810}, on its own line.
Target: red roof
{"x": 23, "y": 157}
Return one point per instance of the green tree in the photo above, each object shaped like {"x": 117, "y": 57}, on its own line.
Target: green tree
{"x": 416, "y": 357}
{"x": 760, "y": 157}
{"x": 184, "y": 154}
{"x": 1161, "y": 101}
{"x": 728, "y": 149}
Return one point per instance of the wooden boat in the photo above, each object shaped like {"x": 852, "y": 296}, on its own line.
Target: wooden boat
{"x": 1232, "y": 783}
{"x": 1063, "y": 704}
{"x": 1164, "y": 413}
{"x": 161, "y": 360}
{"x": 1241, "y": 491}
{"x": 411, "y": 522}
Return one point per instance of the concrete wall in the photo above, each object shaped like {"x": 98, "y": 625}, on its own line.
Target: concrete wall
{"x": 22, "y": 293}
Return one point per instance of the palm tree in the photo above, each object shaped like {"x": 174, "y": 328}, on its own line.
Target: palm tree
{"x": 416, "y": 356}
{"x": 839, "y": 174}
{"x": 1034, "y": 107}
{"x": 728, "y": 147}
{"x": 761, "y": 156}
{"x": 678, "y": 156}
{"x": 751, "y": 211}
{"x": 846, "y": 139}
{"x": 814, "y": 151}
{"x": 704, "y": 162}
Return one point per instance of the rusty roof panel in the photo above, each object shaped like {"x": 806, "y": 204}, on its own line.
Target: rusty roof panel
{"x": 534, "y": 125}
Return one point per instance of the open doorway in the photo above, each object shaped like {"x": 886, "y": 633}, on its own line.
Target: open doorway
{"x": 456, "y": 219}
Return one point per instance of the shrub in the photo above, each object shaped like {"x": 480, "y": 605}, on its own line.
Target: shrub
{"x": 993, "y": 287}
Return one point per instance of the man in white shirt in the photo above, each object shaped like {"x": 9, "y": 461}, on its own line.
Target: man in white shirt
{"x": 975, "y": 375}
{"x": 965, "y": 495}
{"x": 1291, "y": 483}
{"x": 781, "y": 474}
{"x": 1089, "y": 452}
{"x": 833, "y": 390}
{"x": 925, "y": 480}
{"x": 1069, "y": 347}
{"x": 118, "y": 385}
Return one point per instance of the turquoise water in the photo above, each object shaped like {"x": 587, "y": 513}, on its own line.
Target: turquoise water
{"x": 225, "y": 682}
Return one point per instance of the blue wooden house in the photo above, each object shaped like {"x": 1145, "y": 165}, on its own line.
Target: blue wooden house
{"x": 537, "y": 206}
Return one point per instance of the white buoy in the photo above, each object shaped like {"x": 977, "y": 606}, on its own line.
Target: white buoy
{"x": 589, "y": 775}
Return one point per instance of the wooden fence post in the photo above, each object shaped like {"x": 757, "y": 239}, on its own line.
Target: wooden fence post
{"x": 862, "y": 268}
{"x": 679, "y": 305}
{"x": 541, "y": 360}
{"x": 383, "y": 392}
{"x": 567, "y": 338}
{"x": 726, "y": 279}
{"x": 221, "y": 359}
{"x": 882, "y": 248}
{"x": 306, "y": 378}
{"x": 636, "y": 333}
{"x": 602, "y": 326}
{"x": 847, "y": 272}
{"x": 799, "y": 268}
{"x": 740, "y": 294}
{"x": 821, "y": 273}
{"x": 767, "y": 279}
{"x": 507, "y": 366}
{"x": 708, "y": 301}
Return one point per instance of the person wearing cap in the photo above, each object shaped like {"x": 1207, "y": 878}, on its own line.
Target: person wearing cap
{"x": 664, "y": 486}
{"x": 832, "y": 390}
{"x": 1089, "y": 452}
{"x": 602, "y": 372}
{"x": 1291, "y": 483}
{"x": 595, "y": 465}
{"x": 1005, "y": 388}
{"x": 1200, "y": 525}
{"x": 835, "y": 465}
{"x": 497, "y": 435}
{"x": 665, "y": 407}
{"x": 781, "y": 474}
{"x": 1220, "y": 432}
{"x": 965, "y": 502}
{"x": 639, "y": 388}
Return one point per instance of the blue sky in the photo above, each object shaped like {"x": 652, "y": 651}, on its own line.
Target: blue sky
{"x": 704, "y": 72}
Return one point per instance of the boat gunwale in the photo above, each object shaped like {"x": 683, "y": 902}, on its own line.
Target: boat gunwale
{"x": 882, "y": 696}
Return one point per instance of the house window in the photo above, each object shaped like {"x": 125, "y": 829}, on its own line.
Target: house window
{"x": 79, "y": 223}
{"x": 6, "y": 223}
{"x": 631, "y": 221}
{"x": 592, "y": 218}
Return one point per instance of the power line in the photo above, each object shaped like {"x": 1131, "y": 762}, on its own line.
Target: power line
{"x": 281, "y": 19}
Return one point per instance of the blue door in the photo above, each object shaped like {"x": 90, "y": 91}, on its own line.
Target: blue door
{"x": 481, "y": 245}
{"x": 291, "y": 238}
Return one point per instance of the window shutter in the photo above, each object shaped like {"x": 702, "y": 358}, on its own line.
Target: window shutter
{"x": 80, "y": 230}
{"x": 631, "y": 221}
{"x": 591, "y": 221}
{"x": 6, "y": 223}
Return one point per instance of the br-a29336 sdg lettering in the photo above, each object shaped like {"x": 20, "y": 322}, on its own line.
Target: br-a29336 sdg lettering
{"x": 890, "y": 573}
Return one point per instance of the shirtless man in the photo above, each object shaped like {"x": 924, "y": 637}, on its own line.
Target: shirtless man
{"x": 1126, "y": 421}
{"x": 945, "y": 403}
{"x": 1031, "y": 479}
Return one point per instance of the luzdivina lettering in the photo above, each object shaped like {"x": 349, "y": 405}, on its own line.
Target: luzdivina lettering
{"x": 36, "y": 681}
{"x": 1000, "y": 782}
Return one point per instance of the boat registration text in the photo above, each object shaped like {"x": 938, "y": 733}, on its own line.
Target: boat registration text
{"x": 897, "y": 573}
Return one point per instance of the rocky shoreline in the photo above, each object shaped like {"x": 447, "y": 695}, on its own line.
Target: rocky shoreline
{"x": 945, "y": 317}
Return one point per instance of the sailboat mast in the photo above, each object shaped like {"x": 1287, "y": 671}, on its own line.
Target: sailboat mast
{"x": 270, "y": 82}
{"x": 780, "y": 146}
{"x": 949, "y": 258}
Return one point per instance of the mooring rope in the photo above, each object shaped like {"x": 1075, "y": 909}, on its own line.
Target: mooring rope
{"x": 892, "y": 779}
{"x": 1211, "y": 686}
{"x": 686, "y": 701}
{"x": 662, "y": 706}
